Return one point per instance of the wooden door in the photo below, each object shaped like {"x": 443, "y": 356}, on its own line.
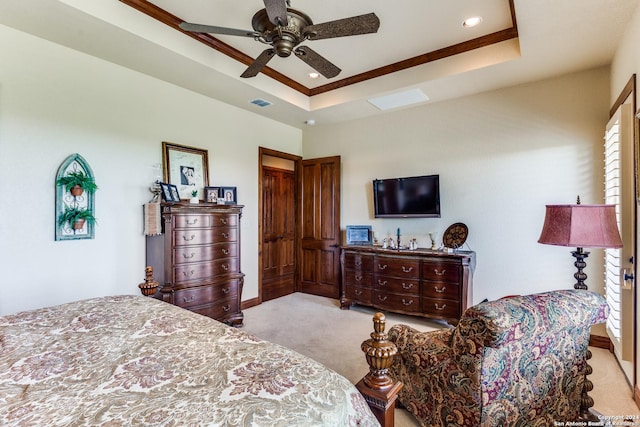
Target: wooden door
{"x": 278, "y": 233}
{"x": 319, "y": 225}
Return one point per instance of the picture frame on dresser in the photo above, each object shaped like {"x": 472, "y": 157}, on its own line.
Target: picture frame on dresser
{"x": 185, "y": 167}
{"x": 169, "y": 194}
{"x": 229, "y": 195}
{"x": 359, "y": 235}
{"x": 211, "y": 194}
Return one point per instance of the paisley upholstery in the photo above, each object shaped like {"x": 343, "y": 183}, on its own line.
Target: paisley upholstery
{"x": 518, "y": 361}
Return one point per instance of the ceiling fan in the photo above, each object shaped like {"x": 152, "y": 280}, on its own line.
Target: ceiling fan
{"x": 284, "y": 28}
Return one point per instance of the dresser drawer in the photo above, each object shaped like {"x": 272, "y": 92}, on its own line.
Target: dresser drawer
{"x": 356, "y": 261}
{"x": 398, "y": 286}
{"x": 441, "y": 307}
{"x": 397, "y": 267}
{"x": 220, "y": 309}
{"x": 396, "y": 302}
{"x": 186, "y": 254}
{"x": 193, "y": 221}
{"x": 358, "y": 294}
{"x": 441, "y": 271}
{"x": 201, "y": 295}
{"x": 185, "y": 273}
{"x": 357, "y": 278}
{"x": 225, "y": 220}
{"x": 450, "y": 291}
{"x": 205, "y": 236}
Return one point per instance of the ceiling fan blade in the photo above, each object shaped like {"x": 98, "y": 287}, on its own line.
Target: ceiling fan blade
{"x": 317, "y": 62}
{"x": 277, "y": 11}
{"x": 198, "y": 28}
{"x": 362, "y": 24}
{"x": 259, "y": 63}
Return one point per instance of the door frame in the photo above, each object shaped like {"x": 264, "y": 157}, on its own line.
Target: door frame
{"x": 629, "y": 93}
{"x": 262, "y": 151}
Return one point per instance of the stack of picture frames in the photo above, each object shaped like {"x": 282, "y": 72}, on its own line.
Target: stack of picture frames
{"x": 186, "y": 175}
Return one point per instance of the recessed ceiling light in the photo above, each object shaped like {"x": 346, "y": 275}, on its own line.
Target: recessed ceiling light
{"x": 472, "y": 22}
{"x": 314, "y": 75}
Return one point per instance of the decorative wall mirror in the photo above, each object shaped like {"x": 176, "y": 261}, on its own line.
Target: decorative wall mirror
{"x": 75, "y": 192}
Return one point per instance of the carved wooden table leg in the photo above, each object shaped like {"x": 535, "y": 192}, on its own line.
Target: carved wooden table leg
{"x": 377, "y": 387}
{"x": 586, "y": 401}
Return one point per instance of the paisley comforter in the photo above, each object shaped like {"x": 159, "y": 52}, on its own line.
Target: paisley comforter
{"x": 133, "y": 360}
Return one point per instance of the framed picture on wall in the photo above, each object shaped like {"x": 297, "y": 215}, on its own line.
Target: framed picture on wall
{"x": 229, "y": 195}
{"x": 187, "y": 168}
{"x": 211, "y": 194}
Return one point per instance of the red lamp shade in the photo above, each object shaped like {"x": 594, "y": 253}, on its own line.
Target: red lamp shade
{"x": 581, "y": 226}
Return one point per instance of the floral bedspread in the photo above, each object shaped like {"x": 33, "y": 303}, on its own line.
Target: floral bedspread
{"x": 133, "y": 360}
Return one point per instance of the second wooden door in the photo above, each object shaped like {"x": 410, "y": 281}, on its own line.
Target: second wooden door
{"x": 278, "y": 233}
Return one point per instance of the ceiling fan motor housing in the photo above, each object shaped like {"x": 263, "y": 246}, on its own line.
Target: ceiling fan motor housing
{"x": 283, "y": 38}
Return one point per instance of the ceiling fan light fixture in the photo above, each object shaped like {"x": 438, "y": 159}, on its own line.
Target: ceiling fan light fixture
{"x": 472, "y": 22}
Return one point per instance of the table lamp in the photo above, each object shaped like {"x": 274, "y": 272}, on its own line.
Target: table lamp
{"x": 582, "y": 226}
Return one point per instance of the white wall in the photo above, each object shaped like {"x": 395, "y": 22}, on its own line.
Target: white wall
{"x": 501, "y": 157}
{"x": 55, "y": 102}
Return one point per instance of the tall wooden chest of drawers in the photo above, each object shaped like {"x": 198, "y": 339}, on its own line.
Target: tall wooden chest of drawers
{"x": 197, "y": 259}
{"x": 418, "y": 282}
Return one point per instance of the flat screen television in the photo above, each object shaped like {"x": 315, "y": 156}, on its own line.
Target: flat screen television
{"x": 410, "y": 197}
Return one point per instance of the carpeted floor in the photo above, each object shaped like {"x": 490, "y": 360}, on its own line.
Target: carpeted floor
{"x": 316, "y": 327}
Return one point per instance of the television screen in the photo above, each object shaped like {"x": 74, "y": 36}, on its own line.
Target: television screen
{"x": 411, "y": 197}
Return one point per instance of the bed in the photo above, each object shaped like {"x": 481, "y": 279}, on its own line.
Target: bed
{"x": 134, "y": 360}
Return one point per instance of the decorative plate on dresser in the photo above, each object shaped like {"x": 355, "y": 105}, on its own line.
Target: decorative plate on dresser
{"x": 455, "y": 235}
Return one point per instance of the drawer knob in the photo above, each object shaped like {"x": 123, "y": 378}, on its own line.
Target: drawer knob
{"x": 440, "y": 290}
{"x": 407, "y": 285}
{"x": 382, "y": 282}
{"x": 190, "y": 299}
{"x": 358, "y": 278}
{"x": 405, "y": 302}
{"x": 226, "y": 308}
{"x": 382, "y": 267}
{"x": 225, "y": 235}
{"x": 358, "y": 292}
{"x": 191, "y": 255}
{"x": 224, "y": 221}
{"x": 382, "y": 297}
{"x": 358, "y": 263}
{"x": 407, "y": 270}
{"x": 225, "y": 290}
{"x": 439, "y": 273}
{"x": 440, "y": 308}
{"x": 225, "y": 251}
{"x": 193, "y": 236}
{"x": 225, "y": 267}
{"x": 188, "y": 273}
{"x": 195, "y": 221}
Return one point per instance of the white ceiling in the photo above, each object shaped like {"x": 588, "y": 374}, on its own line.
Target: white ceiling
{"x": 554, "y": 37}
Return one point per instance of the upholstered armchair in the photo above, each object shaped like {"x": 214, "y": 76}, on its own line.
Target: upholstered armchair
{"x": 518, "y": 361}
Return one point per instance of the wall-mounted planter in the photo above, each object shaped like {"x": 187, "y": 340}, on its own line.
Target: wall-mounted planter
{"x": 75, "y": 192}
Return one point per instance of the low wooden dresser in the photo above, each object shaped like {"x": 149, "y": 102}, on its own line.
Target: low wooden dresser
{"x": 197, "y": 259}
{"x": 419, "y": 282}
